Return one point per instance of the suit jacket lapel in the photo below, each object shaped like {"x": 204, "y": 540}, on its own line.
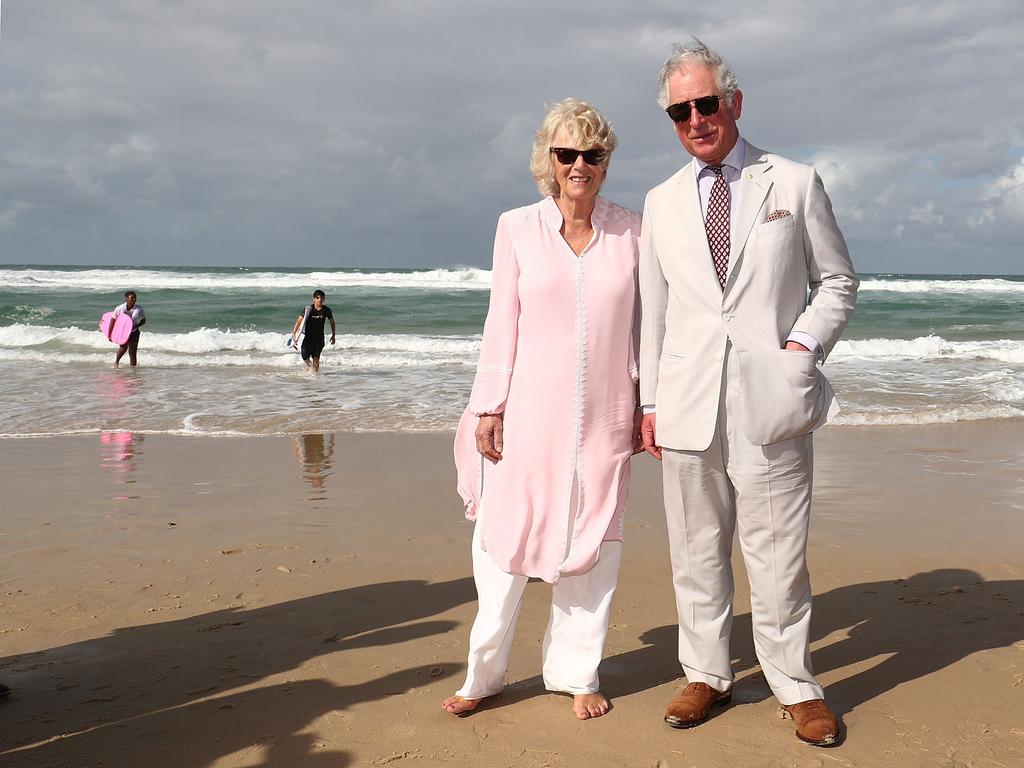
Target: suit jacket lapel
{"x": 692, "y": 235}
{"x": 755, "y": 182}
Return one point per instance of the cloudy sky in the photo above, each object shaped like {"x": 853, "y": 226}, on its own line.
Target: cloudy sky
{"x": 393, "y": 132}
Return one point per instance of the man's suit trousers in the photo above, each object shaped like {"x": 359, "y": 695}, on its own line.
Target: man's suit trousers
{"x": 764, "y": 492}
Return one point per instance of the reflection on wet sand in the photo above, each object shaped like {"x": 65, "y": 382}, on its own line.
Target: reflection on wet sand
{"x": 315, "y": 456}
{"x": 120, "y": 452}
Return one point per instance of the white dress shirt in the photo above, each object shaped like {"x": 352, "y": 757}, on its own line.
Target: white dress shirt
{"x": 732, "y": 165}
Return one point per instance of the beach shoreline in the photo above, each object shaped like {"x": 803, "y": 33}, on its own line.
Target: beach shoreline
{"x": 216, "y": 601}
{"x": 919, "y": 349}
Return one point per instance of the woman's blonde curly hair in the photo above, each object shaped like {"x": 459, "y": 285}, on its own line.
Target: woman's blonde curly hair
{"x": 586, "y": 127}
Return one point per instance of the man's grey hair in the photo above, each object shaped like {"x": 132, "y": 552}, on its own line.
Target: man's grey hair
{"x": 697, "y": 54}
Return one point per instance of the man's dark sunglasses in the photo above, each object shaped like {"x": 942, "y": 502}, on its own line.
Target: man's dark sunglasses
{"x": 568, "y": 156}
{"x": 706, "y": 105}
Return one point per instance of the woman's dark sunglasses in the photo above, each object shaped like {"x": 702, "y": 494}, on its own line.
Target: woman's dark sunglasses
{"x": 568, "y": 156}
{"x": 706, "y": 105}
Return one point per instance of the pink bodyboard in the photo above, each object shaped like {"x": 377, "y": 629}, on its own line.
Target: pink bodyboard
{"x": 123, "y": 327}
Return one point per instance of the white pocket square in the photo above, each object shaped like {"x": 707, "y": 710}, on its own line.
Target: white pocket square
{"x": 777, "y": 214}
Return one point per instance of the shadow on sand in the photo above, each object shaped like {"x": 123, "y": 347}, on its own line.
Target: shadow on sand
{"x": 193, "y": 681}
{"x": 917, "y": 626}
{"x": 184, "y": 693}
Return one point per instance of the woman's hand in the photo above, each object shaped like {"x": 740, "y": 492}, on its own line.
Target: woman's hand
{"x": 489, "y": 436}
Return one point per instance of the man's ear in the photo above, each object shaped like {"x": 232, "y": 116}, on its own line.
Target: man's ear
{"x": 737, "y": 104}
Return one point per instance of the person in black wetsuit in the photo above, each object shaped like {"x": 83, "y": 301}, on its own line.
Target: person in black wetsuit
{"x": 311, "y": 322}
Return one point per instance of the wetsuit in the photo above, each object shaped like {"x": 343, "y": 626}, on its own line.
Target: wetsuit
{"x": 313, "y": 327}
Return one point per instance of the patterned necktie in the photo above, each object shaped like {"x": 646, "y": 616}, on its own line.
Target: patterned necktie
{"x": 717, "y": 223}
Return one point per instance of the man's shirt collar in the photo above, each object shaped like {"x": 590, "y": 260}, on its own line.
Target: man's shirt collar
{"x": 733, "y": 160}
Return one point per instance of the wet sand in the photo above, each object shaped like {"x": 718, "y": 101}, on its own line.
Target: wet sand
{"x": 175, "y": 601}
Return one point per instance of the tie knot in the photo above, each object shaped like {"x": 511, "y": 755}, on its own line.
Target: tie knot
{"x": 715, "y": 168}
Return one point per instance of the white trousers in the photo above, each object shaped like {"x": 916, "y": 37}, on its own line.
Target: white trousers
{"x": 577, "y": 627}
{"x": 765, "y": 493}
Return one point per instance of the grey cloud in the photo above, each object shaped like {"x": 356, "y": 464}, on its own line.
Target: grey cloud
{"x": 393, "y": 133}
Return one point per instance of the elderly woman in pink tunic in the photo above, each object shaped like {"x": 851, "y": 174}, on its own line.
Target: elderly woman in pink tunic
{"x": 543, "y": 449}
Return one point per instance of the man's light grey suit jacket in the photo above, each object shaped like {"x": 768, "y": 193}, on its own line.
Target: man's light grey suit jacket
{"x": 790, "y": 274}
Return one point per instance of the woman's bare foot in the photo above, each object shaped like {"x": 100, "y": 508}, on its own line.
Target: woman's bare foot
{"x": 458, "y": 705}
{"x": 589, "y": 705}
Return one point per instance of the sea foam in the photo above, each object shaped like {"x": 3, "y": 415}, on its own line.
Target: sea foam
{"x": 948, "y": 285}
{"x": 102, "y": 280}
{"x": 929, "y": 348}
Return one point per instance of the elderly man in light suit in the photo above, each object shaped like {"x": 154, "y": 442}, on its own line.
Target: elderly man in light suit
{"x": 746, "y": 285}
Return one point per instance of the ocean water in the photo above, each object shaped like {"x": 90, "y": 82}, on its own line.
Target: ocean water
{"x": 213, "y": 360}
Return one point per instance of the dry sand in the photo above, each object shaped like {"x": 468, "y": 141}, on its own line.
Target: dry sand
{"x": 189, "y": 602}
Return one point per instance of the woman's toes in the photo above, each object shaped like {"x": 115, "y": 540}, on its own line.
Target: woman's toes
{"x": 458, "y": 705}
{"x": 588, "y": 705}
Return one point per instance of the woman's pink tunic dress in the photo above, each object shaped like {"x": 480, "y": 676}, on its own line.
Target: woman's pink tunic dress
{"x": 559, "y": 359}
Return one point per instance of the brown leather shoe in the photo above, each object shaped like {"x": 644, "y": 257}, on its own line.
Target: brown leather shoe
{"x": 815, "y": 722}
{"x": 693, "y": 705}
